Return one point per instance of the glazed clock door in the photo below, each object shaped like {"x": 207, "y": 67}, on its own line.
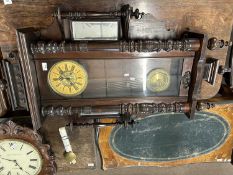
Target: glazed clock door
{"x": 111, "y": 78}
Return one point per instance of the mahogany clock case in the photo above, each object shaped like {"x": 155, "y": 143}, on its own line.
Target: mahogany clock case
{"x": 106, "y": 63}
{"x": 106, "y": 68}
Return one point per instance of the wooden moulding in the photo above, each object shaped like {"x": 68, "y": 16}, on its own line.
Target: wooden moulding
{"x": 10, "y": 130}
{"x": 112, "y": 101}
{"x": 4, "y": 106}
{"x": 197, "y": 73}
{"x": 113, "y": 55}
{"x": 28, "y": 70}
{"x": 111, "y": 159}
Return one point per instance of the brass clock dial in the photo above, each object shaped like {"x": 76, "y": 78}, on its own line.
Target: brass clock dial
{"x": 158, "y": 80}
{"x": 67, "y": 78}
{"x": 19, "y": 158}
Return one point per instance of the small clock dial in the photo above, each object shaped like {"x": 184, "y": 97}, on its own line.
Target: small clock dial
{"x": 18, "y": 157}
{"x": 67, "y": 78}
{"x": 158, "y": 80}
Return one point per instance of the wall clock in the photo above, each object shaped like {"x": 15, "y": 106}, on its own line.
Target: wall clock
{"x": 22, "y": 152}
{"x": 122, "y": 77}
{"x": 118, "y": 73}
{"x": 28, "y": 162}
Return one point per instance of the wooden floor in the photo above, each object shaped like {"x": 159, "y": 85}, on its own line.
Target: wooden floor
{"x": 194, "y": 169}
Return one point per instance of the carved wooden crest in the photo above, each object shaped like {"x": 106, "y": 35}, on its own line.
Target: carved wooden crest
{"x": 10, "y": 130}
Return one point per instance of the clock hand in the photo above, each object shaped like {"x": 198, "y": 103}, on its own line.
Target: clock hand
{"x": 59, "y": 78}
{"x": 20, "y": 167}
{"x": 16, "y": 163}
{"x": 6, "y": 159}
{"x": 71, "y": 83}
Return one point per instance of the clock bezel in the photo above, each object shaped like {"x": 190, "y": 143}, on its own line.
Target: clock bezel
{"x": 12, "y": 131}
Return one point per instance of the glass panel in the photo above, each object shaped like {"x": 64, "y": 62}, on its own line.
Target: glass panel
{"x": 130, "y": 78}
{"x": 97, "y": 30}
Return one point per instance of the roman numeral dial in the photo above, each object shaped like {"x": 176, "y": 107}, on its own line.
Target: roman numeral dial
{"x": 67, "y": 78}
{"x": 18, "y": 157}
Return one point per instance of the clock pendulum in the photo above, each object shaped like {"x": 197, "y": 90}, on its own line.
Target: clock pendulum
{"x": 69, "y": 155}
{"x": 158, "y": 80}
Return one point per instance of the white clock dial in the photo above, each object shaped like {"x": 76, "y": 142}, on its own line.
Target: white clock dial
{"x": 18, "y": 157}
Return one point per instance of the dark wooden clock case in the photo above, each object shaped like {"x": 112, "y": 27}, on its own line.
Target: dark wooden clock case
{"x": 35, "y": 82}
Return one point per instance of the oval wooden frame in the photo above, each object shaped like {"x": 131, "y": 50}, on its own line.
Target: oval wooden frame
{"x": 111, "y": 159}
{"x": 10, "y": 130}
